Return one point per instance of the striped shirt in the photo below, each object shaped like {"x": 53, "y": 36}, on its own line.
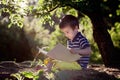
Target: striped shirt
{"x": 80, "y": 42}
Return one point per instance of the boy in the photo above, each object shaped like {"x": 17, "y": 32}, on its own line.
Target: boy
{"x": 76, "y": 42}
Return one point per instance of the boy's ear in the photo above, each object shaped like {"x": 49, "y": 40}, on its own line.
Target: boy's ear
{"x": 76, "y": 27}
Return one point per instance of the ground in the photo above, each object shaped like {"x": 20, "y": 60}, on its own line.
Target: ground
{"x": 94, "y": 72}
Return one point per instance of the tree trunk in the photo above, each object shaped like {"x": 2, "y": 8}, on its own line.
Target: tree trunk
{"x": 104, "y": 42}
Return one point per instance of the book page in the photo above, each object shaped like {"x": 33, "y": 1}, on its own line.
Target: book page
{"x": 60, "y": 52}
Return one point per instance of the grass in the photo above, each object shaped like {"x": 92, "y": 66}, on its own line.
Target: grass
{"x": 66, "y": 65}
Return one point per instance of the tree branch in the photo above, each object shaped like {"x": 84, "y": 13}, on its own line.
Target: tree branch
{"x": 53, "y": 8}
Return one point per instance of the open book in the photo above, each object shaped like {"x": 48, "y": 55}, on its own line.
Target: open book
{"x": 60, "y": 52}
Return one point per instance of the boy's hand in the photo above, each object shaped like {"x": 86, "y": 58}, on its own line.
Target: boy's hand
{"x": 73, "y": 51}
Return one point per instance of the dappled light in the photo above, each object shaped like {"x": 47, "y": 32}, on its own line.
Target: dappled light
{"x": 28, "y": 26}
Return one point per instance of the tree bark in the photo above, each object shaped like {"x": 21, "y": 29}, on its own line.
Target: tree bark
{"x": 104, "y": 42}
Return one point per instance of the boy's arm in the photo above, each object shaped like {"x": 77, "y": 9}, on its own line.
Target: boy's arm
{"x": 82, "y": 52}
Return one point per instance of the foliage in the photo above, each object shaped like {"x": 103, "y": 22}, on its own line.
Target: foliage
{"x": 18, "y": 76}
{"x": 26, "y": 74}
{"x": 37, "y": 71}
{"x": 17, "y": 9}
{"x": 14, "y": 9}
{"x": 40, "y": 12}
{"x": 115, "y": 34}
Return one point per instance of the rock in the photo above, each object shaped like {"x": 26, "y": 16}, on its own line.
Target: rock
{"x": 88, "y": 74}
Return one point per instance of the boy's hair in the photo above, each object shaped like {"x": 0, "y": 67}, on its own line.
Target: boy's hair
{"x": 69, "y": 20}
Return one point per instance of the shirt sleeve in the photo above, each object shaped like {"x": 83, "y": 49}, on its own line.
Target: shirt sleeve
{"x": 84, "y": 43}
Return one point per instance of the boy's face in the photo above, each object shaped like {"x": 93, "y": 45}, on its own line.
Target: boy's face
{"x": 69, "y": 32}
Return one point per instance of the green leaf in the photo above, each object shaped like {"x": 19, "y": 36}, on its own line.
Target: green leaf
{"x": 5, "y": 10}
{"x": 28, "y": 74}
{"x": 9, "y": 26}
{"x": 20, "y": 24}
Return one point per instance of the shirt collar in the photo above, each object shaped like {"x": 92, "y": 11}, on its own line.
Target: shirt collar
{"x": 78, "y": 33}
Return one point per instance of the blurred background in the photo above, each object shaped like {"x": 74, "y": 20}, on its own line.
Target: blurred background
{"x": 26, "y": 24}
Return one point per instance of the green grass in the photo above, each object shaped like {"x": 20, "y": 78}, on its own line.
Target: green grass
{"x": 67, "y": 65}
